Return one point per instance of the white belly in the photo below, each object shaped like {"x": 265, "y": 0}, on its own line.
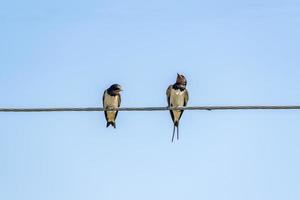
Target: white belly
{"x": 111, "y": 102}
{"x": 177, "y": 98}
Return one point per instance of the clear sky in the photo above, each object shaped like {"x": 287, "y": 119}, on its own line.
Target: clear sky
{"x": 66, "y": 53}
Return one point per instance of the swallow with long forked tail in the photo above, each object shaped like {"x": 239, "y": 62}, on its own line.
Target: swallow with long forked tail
{"x": 177, "y": 95}
{"x": 111, "y": 100}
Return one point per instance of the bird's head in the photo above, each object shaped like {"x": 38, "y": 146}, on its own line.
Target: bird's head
{"x": 115, "y": 89}
{"x": 181, "y": 80}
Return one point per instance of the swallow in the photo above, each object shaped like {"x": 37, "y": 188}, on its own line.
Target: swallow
{"x": 111, "y": 99}
{"x": 177, "y": 95}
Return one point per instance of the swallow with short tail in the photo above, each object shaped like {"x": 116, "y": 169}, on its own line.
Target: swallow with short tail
{"x": 111, "y": 100}
{"x": 177, "y": 96}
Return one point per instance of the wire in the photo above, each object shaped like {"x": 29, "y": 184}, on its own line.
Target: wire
{"x": 97, "y": 109}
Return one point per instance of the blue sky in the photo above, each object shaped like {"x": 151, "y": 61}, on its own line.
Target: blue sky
{"x": 65, "y": 53}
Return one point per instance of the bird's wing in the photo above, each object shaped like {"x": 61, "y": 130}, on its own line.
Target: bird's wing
{"x": 186, "y": 97}
{"x": 119, "y": 100}
{"x": 103, "y": 98}
{"x": 168, "y": 93}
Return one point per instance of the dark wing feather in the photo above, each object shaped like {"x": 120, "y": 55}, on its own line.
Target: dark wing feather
{"x": 119, "y": 100}
{"x": 186, "y": 97}
{"x": 168, "y": 93}
{"x": 105, "y": 113}
{"x": 103, "y": 98}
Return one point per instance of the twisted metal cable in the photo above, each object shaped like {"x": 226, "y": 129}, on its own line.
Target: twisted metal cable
{"x": 97, "y": 109}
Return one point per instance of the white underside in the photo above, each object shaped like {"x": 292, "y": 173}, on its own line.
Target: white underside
{"x": 111, "y": 102}
{"x": 176, "y": 99}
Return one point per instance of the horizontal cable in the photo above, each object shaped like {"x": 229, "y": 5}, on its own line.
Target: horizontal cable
{"x": 97, "y": 109}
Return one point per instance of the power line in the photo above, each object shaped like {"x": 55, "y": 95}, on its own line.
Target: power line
{"x": 98, "y": 109}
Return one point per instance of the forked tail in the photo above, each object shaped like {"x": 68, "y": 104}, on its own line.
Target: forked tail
{"x": 176, "y": 126}
{"x": 113, "y": 124}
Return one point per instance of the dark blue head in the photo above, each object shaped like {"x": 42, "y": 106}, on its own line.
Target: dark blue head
{"x": 114, "y": 89}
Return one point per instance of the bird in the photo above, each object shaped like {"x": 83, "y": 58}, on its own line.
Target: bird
{"x": 177, "y": 95}
{"x": 111, "y": 100}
